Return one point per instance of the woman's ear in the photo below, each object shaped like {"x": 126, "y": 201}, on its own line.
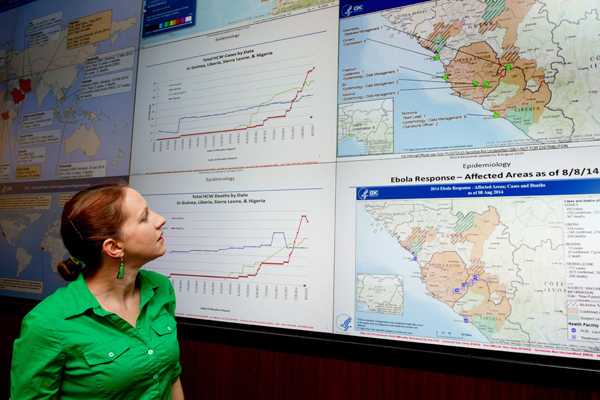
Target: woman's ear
{"x": 113, "y": 248}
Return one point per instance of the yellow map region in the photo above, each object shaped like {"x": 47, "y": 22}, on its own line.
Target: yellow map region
{"x": 89, "y": 30}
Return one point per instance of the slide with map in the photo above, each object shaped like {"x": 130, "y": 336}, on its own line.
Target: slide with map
{"x": 457, "y": 76}
{"x": 250, "y": 246}
{"x": 30, "y": 242}
{"x": 497, "y": 254}
{"x": 67, "y": 80}
{"x": 264, "y": 96}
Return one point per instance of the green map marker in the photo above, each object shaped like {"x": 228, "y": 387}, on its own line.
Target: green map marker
{"x": 445, "y": 77}
{"x": 496, "y": 114}
{"x": 436, "y": 57}
{"x": 486, "y": 84}
{"x": 508, "y": 67}
{"x": 475, "y": 83}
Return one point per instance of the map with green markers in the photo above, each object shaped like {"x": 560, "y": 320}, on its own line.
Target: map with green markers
{"x": 473, "y": 74}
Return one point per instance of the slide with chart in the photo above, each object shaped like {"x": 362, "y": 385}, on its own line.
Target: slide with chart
{"x": 253, "y": 246}
{"x": 263, "y": 96}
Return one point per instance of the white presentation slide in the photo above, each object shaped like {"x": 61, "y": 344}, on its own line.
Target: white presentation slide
{"x": 494, "y": 253}
{"x": 252, "y": 246}
{"x": 263, "y": 95}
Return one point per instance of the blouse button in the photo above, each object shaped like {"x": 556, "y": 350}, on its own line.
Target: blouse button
{"x": 150, "y": 352}
{"x": 168, "y": 328}
{"x": 111, "y": 354}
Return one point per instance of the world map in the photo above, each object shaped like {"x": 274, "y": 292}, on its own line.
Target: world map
{"x": 67, "y": 75}
{"x": 30, "y": 244}
{"x": 66, "y": 93}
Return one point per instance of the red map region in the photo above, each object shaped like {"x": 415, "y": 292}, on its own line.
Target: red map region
{"x": 17, "y": 95}
{"x": 25, "y": 85}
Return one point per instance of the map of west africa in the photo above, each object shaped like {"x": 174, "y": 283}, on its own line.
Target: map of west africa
{"x": 472, "y": 74}
{"x": 533, "y": 63}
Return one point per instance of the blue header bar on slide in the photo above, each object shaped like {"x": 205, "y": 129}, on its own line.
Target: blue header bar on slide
{"x": 481, "y": 189}
{"x": 351, "y": 8}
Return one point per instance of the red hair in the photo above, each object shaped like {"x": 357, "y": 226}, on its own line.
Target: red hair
{"x": 88, "y": 219}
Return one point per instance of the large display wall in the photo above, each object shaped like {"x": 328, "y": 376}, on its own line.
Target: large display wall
{"x": 414, "y": 172}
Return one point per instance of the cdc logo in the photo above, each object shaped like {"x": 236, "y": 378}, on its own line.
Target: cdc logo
{"x": 350, "y": 9}
{"x": 366, "y": 193}
{"x": 343, "y": 322}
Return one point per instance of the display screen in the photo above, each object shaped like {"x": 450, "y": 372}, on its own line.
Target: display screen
{"x": 412, "y": 172}
{"x": 68, "y": 76}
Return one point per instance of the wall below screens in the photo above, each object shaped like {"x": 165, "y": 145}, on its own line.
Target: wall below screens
{"x": 230, "y": 364}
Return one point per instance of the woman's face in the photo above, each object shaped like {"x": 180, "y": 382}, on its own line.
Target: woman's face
{"x": 141, "y": 233}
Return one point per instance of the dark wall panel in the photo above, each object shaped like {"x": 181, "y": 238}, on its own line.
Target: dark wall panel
{"x": 223, "y": 364}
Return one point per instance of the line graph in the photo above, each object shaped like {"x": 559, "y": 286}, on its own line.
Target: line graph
{"x": 263, "y": 106}
{"x": 222, "y": 114}
{"x": 236, "y": 245}
{"x": 238, "y": 114}
{"x": 264, "y": 263}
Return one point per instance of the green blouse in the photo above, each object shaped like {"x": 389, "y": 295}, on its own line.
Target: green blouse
{"x": 71, "y": 348}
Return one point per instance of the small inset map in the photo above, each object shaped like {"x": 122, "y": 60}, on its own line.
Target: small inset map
{"x": 366, "y": 128}
{"x": 383, "y": 294}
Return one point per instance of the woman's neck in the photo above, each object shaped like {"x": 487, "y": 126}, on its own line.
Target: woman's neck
{"x": 119, "y": 296}
{"x": 108, "y": 289}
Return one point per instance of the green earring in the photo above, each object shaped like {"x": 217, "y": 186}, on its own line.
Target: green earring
{"x": 121, "y": 272}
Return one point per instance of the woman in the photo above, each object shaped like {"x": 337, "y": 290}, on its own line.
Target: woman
{"x": 111, "y": 332}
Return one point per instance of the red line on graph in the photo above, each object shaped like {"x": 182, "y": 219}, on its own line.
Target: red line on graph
{"x": 260, "y": 266}
{"x": 295, "y": 99}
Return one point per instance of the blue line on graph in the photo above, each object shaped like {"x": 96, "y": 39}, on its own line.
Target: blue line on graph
{"x": 228, "y": 112}
{"x": 237, "y": 247}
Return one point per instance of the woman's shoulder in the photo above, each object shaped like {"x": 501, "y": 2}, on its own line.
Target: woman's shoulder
{"x": 155, "y": 279}
{"x": 160, "y": 284}
{"x": 49, "y": 310}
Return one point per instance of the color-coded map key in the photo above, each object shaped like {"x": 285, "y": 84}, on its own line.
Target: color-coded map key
{"x": 163, "y": 16}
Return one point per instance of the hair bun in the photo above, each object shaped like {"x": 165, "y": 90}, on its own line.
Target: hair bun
{"x": 69, "y": 268}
